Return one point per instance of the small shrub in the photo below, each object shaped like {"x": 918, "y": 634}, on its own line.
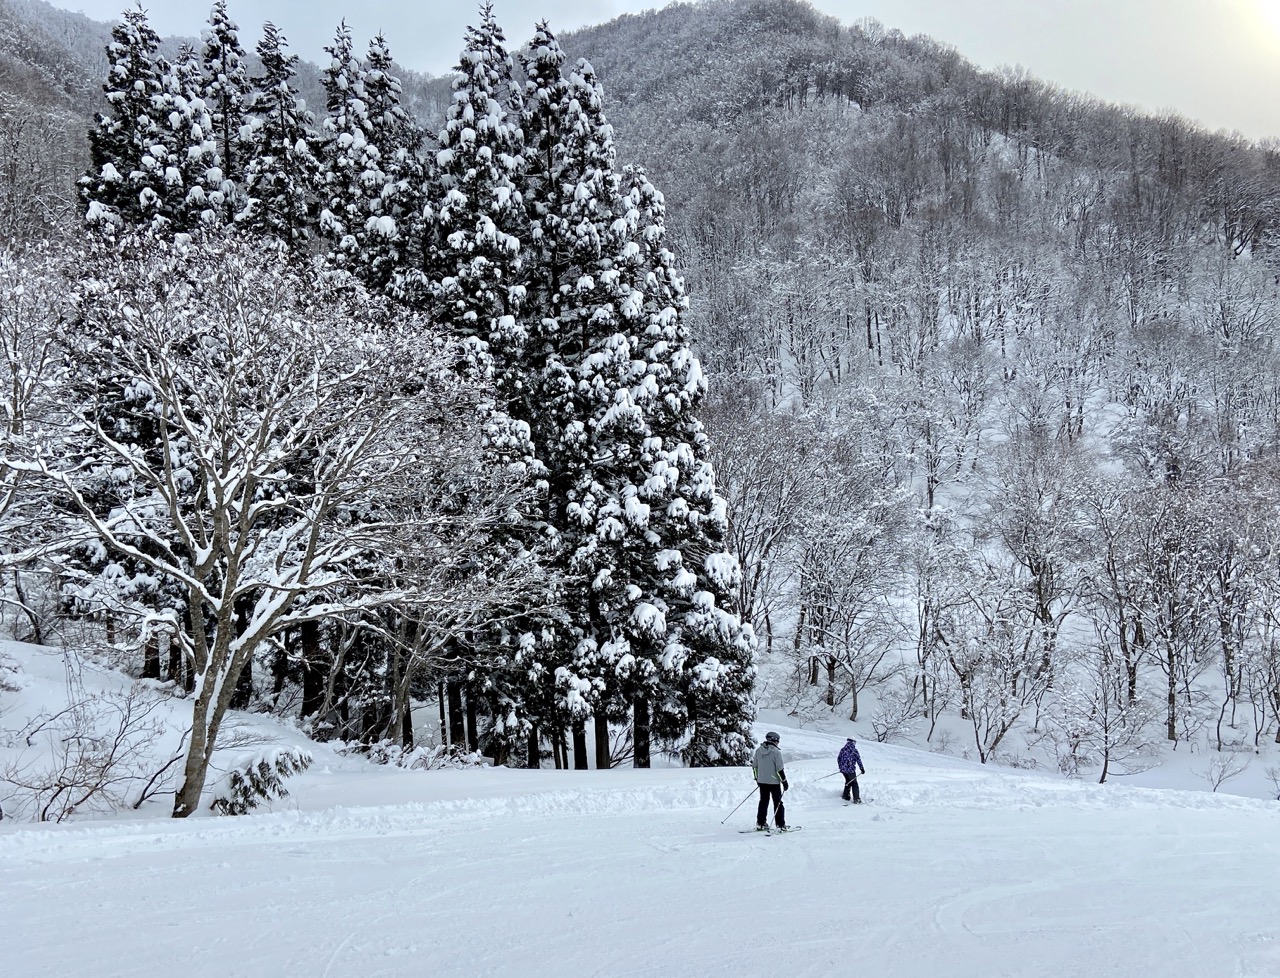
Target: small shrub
{"x": 256, "y": 778}
{"x": 1273, "y": 775}
{"x": 10, "y": 682}
{"x": 86, "y": 757}
{"x": 1223, "y": 766}
{"x": 897, "y": 715}
{"x": 416, "y": 758}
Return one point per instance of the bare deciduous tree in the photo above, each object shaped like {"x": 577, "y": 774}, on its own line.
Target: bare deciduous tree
{"x": 294, "y": 416}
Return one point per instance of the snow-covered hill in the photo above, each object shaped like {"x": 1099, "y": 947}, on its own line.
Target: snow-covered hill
{"x": 953, "y": 869}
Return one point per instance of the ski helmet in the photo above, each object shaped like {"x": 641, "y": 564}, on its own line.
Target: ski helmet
{"x": 771, "y": 738}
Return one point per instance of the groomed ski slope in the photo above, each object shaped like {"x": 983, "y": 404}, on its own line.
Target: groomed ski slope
{"x": 953, "y": 870}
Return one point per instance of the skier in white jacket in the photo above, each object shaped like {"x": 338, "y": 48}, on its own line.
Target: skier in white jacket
{"x": 772, "y": 779}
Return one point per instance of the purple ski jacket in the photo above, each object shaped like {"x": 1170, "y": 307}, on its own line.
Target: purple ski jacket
{"x": 850, "y": 760}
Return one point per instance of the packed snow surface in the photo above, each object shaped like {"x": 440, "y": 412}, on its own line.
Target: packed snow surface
{"x": 953, "y": 869}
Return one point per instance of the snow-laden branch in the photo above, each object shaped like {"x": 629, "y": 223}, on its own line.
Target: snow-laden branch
{"x": 264, "y": 441}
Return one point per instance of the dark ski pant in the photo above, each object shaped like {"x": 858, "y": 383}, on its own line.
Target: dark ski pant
{"x": 851, "y": 785}
{"x": 773, "y": 791}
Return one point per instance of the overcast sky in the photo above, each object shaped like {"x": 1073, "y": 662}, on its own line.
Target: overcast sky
{"x": 1215, "y": 61}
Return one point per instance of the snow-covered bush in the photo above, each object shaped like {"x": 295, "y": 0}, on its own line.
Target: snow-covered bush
{"x": 434, "y": 758}
{"x": 1014, "y": 759}
{"x": 255, "y": 778}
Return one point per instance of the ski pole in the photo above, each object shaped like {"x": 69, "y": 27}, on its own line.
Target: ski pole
{"x": 739, "y": 805}
{"x": 831, "y": 775}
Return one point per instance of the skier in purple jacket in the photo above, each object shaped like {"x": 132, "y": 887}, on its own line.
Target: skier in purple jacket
{"x": 850, "y": 762}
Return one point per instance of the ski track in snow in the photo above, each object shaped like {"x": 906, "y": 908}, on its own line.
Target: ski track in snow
{"x": 954, "y": 870}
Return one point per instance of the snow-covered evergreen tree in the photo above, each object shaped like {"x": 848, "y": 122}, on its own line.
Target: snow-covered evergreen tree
{"x": 281, "y": 172}
{"x": 670, "y": 643}
{"x": 351, "y": 177}
{"x": 570, "y": 192}
{"x": 122, "y": 185}
{"x": 474, "y": 271}
{"x": 185, "y": 153}
{"x": 544, "y": 106}
{"x": 226, "y": 90}
{"x": 389, "y": 221}
{"x": 477, "y": 269}
{"x": 612, "y": 403}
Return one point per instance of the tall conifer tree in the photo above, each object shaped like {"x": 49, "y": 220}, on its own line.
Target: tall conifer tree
{"x": 478, "y": 209}
{"x": 571, "y": 188}
{"x": 350, "y": 171}
{"x": 474, "y": 274}
{"x": 227, "y": 90}
{"x": 615, "y": 388}
{"x": 184, "y": 151}
{"x": 281, "y": 172}
{"x": 122, "y": 186}
{"x": 668, "y": 481}
{"x": 392, "y": 211}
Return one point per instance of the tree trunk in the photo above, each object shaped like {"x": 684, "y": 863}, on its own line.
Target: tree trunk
{"x": 444, "y": 720}
{"x": 151, "y": 658}
{"x": 579, "y": 745}
{"x": 853, "y": 697}
{"x": 473, "y": 725}
{"x": 175, "y": 663}
{"x": 534, "y": 758}
{"x": 406, "y": 730}
{"x": 37, "y": 633}
{"x": 220, "y": 670}
{"x": 604, "y": 755}
{"x": 187, "y": 798}
{"x": 313, "y": 672}
{"x": 1131, "y": 654}
{"x": 457, "y": 719}
{"x": 243, "y": 695}
{"x": 280, "y": 668}
{"x": 640, "y": 731}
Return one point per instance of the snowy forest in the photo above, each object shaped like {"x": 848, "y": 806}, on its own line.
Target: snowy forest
{"x": 584, "y": 402}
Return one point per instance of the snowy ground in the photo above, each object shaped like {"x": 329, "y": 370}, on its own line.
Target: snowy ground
{"x": 953, "y": 870}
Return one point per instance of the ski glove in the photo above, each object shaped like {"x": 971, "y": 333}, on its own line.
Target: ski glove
{"x": 784, "y": 786}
